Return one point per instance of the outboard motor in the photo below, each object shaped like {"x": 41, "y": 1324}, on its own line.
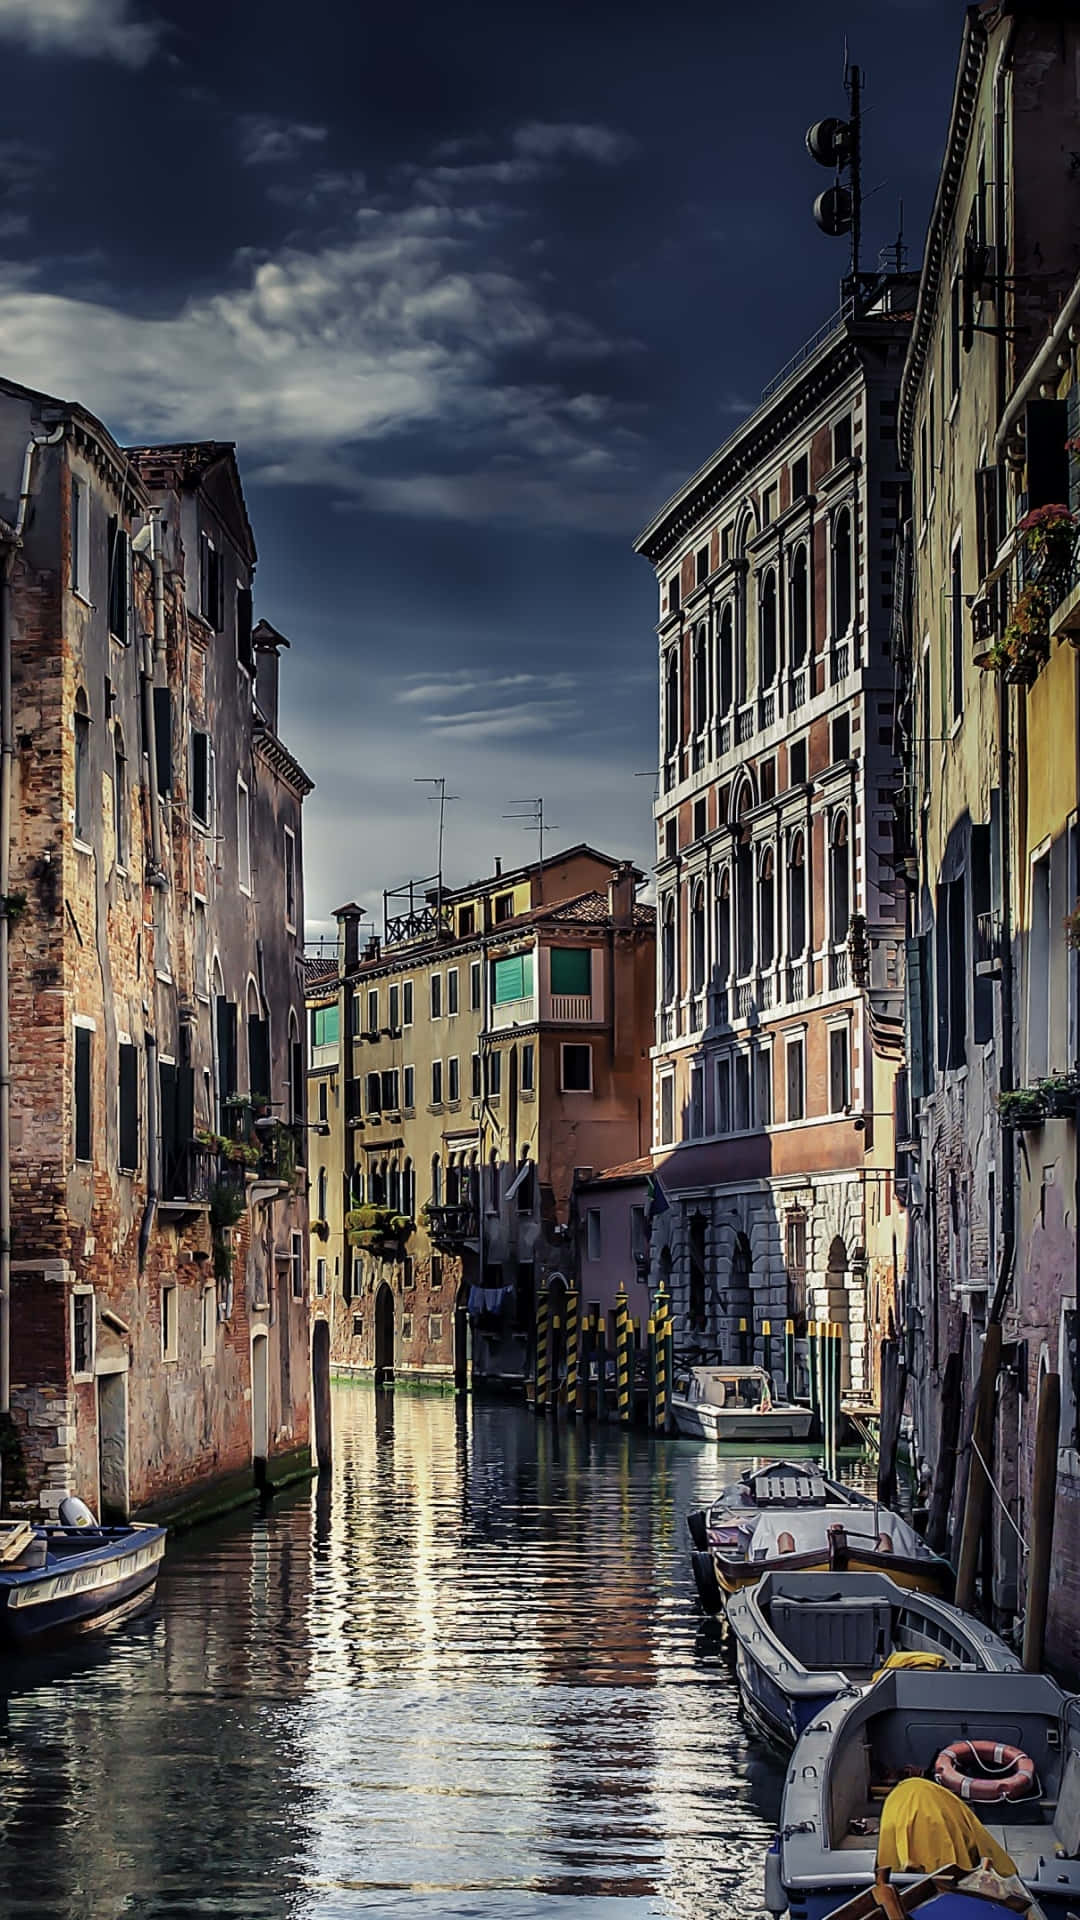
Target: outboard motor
{"x": 74, "y": 1512}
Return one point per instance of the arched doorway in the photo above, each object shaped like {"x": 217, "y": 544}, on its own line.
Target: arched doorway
{"x": 260, "y": 1403}
{"x": 320, "y": 1385}
{"x": 838, "y": 1305}
{"x": 384, "y": 1337}
{"x": 462, "y": 1340}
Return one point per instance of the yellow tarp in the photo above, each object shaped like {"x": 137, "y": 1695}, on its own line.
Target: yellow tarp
{"x": 912, "y": 1660}
{"x": 924, "y": 1827}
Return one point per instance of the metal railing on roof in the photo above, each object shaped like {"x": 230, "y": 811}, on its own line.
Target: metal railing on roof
{"x": 808, "y": 349}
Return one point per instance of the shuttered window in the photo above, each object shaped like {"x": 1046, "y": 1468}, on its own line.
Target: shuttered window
{"x": 200, "y": 778}
{"x": 244, "y": 650}
{"x": 129, "y": 1107}
{"x": 1046, "y": 428}
{"x": 83, "y": 1125}
{"x": 571, "y": 970}
{"x": 163, "y": 738}
{"x": 226, "y": 1048}
{"x": 512, "y": 978}
{"x": 119, "y": 553}
{"x": 258, "y": 1056}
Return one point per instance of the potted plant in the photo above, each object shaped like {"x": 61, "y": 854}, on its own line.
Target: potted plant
{"x": 1048, "y": 534}
{"x": 227, "y": 1207}
{"x": 1024, "y": 646}
{"x": 1060, "y": 1093}
{"x": 1021, "y": 1109}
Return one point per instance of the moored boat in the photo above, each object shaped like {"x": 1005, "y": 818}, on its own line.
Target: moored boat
{"x": 802, "y": 1639}
{"x": 1014, "y": 1738}
{"x": 59, "y": 1582}
{"x": 786, "y": 1518}
{"x": 735, "y": 1403}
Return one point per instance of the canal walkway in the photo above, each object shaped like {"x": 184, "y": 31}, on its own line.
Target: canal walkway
{"x": 466, "y": 1678}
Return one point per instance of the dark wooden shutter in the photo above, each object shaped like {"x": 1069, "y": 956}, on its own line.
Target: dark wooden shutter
{"x": 129, "y": 1108}
{"x": 185, "y": 1105}
{"x": 941, "y": 971}
{"x": 172, "y": 1164}
{"x": 226, "y": 1048}
{"x": 163, "y": 738}
{"x": 258, "y": 1056}
{"x": 981, "y": 987}
{"x": 200, "y": 777}
{"x": 119, "y": 551}
{"x": 957, "y": 974}
{"x": 1047, "y": 461}
{"x": 243, "y": 627}
{"x": 987, "y": 532}
{"x": 297, "y": 1089}
{"x": 83, "y": 1122}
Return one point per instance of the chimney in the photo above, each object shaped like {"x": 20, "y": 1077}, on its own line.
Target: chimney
{"x": 266, "y": 642}
{"x": 621, "y": 895}
{"x": 348, "y": 919}
{"x": 498, "y": 867}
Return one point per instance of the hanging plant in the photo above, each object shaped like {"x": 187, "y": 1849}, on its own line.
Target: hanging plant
{"x": 1059, "y": 1094}
{"x": 1021, "y": 1109}
{"x": 1024, "y": 646}
{"x": 227, "y": 1207}
{"x": 1049, "y": 529}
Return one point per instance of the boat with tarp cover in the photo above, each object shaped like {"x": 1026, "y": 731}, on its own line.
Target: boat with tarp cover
{"x": 58, "y": 1582}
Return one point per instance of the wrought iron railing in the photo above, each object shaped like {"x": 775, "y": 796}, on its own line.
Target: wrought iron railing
{"x": 187, "y": 1173}
{"x": 449, "y": 1225}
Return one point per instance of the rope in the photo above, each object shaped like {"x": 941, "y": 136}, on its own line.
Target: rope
{"x": 996, "y": 1494}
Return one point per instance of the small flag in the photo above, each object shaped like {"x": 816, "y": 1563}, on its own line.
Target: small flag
{"x": 658, "y": 1200}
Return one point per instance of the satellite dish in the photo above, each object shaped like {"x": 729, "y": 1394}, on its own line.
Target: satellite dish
{"x": 829, "y": 142}
{"x": 833, "y": 211}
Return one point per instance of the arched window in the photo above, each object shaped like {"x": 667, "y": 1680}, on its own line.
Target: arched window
{"x": 796, "y": 916}
{"x": 767, "y": 636}
{"x": 436, "y": 1180}
{"x": 701, "y": 679}
{"x": 800, "y": 608}
{"x": 453, "y": 1184}
{"x": 493, "y": 1180}
{"x": 378, "y": 1183}
{"x": 841, "y": 574}
{"x": 83, "y": 809}
{"x": 672, "y": 727}
{"x": 408, "y": 1189}
{"x": 697, "y": 940}
{"x": 120, "y": 798}
{"x": 727, "y": 658}
{"x": 766, "y": 909}
{"x": 393, "y": 1187}
{"x": 357, "y": 1186}
{"x": 670, "y": 982}
{"x": 296, "y": 1073}
{"x": 321, "y": 1191}
{"x": 839, "y": 879}
{"x": 744, "y": 908}
{"x": 723, "y": 928}
{"x": 742, "y": 649}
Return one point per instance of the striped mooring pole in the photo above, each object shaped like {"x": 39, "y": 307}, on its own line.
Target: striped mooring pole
{"x": 541, "y": 1387}
{"x": 812, "y": 1367}
{"x": 623, "y": 1338}
{"x": 664, "y": 1360}
{"x": 572, "y": 1340}
{"x": 651, "y": 1368}
{"x": 601, "y": 1365}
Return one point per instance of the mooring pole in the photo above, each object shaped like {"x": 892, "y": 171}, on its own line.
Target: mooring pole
{"x": 543, "y": 1318}
{"x": 1043, "y": 1495}
{"x": 982, "y": 1433}
{"x": 766, "y": 1350}
{"x": 601, "y": 1365}
{"x": 622, "y": 1356}
{"x": 573, "y": 1336}
{"x": 651, "y": 1370}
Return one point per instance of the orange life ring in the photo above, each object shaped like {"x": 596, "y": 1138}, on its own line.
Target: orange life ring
{"x": 1000, "y": 1772}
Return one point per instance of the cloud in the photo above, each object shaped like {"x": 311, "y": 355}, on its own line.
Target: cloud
{"x": 552, "y": 140}
{"x": 267, "y": 141}
{"x": 86, "y": 29}
{"x": 466, "y": 681}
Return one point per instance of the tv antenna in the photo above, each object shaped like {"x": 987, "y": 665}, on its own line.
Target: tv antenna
{"x": 533, "y": 818}
{"x": 438, "y": 781}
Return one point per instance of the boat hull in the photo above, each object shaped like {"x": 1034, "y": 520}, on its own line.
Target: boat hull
{"x": 921, "y": 1576}
{"x": 698, "y": 1421}
{"x": 82, "y": 1592}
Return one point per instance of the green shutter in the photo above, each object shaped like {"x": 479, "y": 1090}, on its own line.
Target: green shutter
{"x": 509, "y": 979}
{"x": 325, "y": 1025}
{"x": 571, "y": 970}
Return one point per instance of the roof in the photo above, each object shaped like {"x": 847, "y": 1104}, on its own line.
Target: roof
{"x": 53, "y": 410}
{"x": 589, "y": 909}
{"x": 280, "y": 760}
{"x": 493, "y": 882}
{"x": 630, "y": 1171}
{"x": 186, "y": 464}
{"x": 319, "y": 973}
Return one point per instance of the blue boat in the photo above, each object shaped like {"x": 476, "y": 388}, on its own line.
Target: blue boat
{"x": 67, "y": 1581}
{"x": 951, "y": 1894}
{"x": 800, "y": 1639}
{"x": 908, "y": 1724}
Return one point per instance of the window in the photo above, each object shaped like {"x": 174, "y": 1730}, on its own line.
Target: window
{"x": 169, "y": 1341}
{"x": 841, "y": 738}
{"x": 697, "y": 939}
{"x": 839, "y": 1069}
{"x": 795, "y": 1261}
{"x": 393, "y": 1018}
{"x": 799, "y": 602}
{"x": 436, "y": 1083}
{"x": 435, "y": 1326}
{"x": 324, "y": 1102}
{"x": 119, "y": 559}
{"x": 796, "y": 897}
{"x": 742, "y": 1092}
{"x": 208, "y": 1326}
{"x": 763, "y": 1086}
{"x": 841, "y": 440}
{"x": 324, "y": 1026}
{"x": 700, "y": 679}
{"x": 512, "y": 979}
{"x": 767, "y": 778}
{"x": 673, "y": 593}
{"x": 320, "y": 1279}
{"x": 452, "y": 990}
{"x": 667, "y": 1110}
{"x": 672, "y": 704}
{"x": 766, "y": 909}
{"x": 639, "y": 1237}
{"x": 797, "y": 763}
{"x": 322, "y": 1189}
{"x": 388, "y": 1080}
{"x": 120, "y": 799}
{"x": 83, "y": 1092}
{"x": 769, "y": 501}
{"x": 956, "y": 631}
{"x": 453, "y": 1079}
{"x": 577, "y": 1069}
{"x": 296, "y": 1264}
{"x": 244, "y": 651}
{"x": 839, "y": 880}
{"x": 571, "y": 971}
{"x": 435, "y": 995}
{"x": 796, "y": 1077}
{"x": 200, "y": 779}
{"x": 701, "y": 565}
{"x": 466, "y": 922}
{"x": 128, "y": 1107}
{"x": 372, "y": 1093}
{"x": 372, "y": 1026}
{"x": 83, "y": 809}
{"x": 494, "y": 1075}
{"x": 243, "y": 837}
{"x": 954, "y": 336}
{"x": 841, "y": 574}
{"x": 697, "y": 1102}
{"x": 210, "y": 599}
{"x": 475, "y": 984}
{"x": 722, "y": 957}
{"x": 528, "y": 1068}
{"x": 767, "y": 646}
{"x": 951, "y": 935}
{"x": 593, "y": 1235}
{"x": 800, "y": 477}
{"x": 83, "y": 1331}
{"x": 701, "y": 819}
{"x": 80, "y": 537}
{"x": 435, "y": 1279}
{"x": 723, "y": 1094}
{"x": 409, "y": 1087}
{"x": 163, "y": 737}
{"x": 668, "y": 956}
{"x": 504, "y": 907}
{"x": 290, "y": 879}
{"x": 477, "y": 1077}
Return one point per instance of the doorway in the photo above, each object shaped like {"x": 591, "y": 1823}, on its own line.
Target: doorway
{"x": 260, "y": 1409}
{"x": 112, "y": 1424}
{"x": 320, "y": 1384}
{"x": 384, "y": 1337}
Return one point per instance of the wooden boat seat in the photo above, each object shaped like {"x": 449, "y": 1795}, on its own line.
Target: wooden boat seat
{"x": 852, "y": 1632}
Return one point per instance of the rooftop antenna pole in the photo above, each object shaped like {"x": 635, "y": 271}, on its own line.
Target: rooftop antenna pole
{"x": 439, "y": 781}
{"x": 534, "y": 817}
{"x": 837, "y": 144}
{"x": 854, "y": 89}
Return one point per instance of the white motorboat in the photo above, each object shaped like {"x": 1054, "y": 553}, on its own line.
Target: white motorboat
{"x": 735, "y": 1403}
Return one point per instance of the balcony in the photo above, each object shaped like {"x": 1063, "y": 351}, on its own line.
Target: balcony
{"x": 765, "y": 991}
{"x": 838, "y": 969}
{"x": 697, "y": 1013}
{"x": 724, "y": 737}
{"x": 514, "y": 1013}
{"x": 450, "y": 1225}
{"x": 719, "y": 1006}
{"x": 669, "y": 1023}
{"x": 797, "y": 696}
{"x": 795, "y": 982}
{"x": 839, "y": 661}
{"x": 744, "y": 999}
{"x": 744, "y": 724}
{"x": 768, "y": 708}
{"x": 568, "y": 1008}
{"x": 698, "y": 755}
{"x": 187, "y": 1174}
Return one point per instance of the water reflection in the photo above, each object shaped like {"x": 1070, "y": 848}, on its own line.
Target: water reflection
{"x": 465, "y": 1676}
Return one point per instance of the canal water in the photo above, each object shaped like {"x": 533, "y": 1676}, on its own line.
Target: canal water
{"x": 465, "y": 1678}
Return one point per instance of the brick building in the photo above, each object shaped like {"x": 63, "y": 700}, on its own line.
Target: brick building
{"x": 495, "y": 1045}
{"x": 779, "y": 990}
{"x": 159, "y": 1326}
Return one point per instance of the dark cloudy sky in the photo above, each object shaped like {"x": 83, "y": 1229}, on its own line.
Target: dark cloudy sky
{"x": 473, "y": 287}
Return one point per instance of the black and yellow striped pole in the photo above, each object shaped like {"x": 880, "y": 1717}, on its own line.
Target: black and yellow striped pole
{"x": 664, "y": 1366}
{"x": 541, "y": 1387}
{"x": 601, "y": 1365}
{"x": 812, "y": 1367}
{"x": 622, "y": 1356}
{"x": 789, "y": 1358}
{"x": 589, "y": 1358}
{"x": 572, "y": 1339}
{"x": 651, "y": 1368}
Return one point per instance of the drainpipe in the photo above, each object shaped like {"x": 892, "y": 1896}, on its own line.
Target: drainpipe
{"x": 153, "y": 651}
{"x": 12, "y": 542}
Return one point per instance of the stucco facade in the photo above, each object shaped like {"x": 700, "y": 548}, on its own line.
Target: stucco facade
{"x": 157, "y": 852}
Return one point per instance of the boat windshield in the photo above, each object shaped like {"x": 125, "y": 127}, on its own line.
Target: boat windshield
{"x": 727, "y": 1389}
